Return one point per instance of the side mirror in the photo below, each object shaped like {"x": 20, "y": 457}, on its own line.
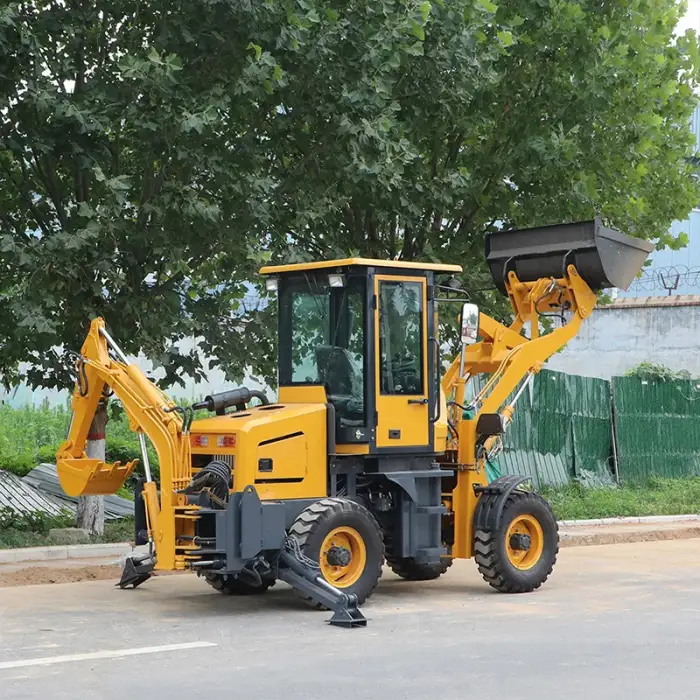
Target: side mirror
{"x": 470, "y": 324}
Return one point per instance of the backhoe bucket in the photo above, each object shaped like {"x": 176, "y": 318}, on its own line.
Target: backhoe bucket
{"x": 91, "y": 477}
{"x": 603, "y": 257}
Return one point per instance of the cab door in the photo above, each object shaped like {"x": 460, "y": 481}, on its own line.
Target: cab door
{"x": 401, "y": 367}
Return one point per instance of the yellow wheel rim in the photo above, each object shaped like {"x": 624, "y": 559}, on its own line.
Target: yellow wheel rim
{"x": 347, "y": 540}
{"x": 524, "y": 542}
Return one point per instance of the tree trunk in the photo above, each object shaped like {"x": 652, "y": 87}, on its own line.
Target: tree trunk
{"x": 91, "y": 509}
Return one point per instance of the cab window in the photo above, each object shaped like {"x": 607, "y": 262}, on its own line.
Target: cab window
{"x": 401, "y": 337}
{"x": 322, "y": 337}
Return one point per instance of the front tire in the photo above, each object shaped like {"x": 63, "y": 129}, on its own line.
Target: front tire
{"x": 519, "y": 555}
{"x": 346, "y": 541}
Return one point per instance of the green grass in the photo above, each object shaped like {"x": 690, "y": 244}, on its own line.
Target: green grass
{"x": 655, "y": 497}
{"x": 32, "y": 435}
{"x": 21, "y": 536}
{"x": 26, "y": 431}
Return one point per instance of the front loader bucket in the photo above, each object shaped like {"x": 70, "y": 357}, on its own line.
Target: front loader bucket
{"x": 604, "y": 258}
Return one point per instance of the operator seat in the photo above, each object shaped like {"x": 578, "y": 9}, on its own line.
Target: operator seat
{"x": 343, "y": 382}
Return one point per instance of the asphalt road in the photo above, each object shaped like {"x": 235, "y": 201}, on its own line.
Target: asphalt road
{"x": 618, "y": 621}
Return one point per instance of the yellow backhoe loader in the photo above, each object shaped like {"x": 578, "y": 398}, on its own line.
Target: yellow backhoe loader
{"x": 371, "y": 454}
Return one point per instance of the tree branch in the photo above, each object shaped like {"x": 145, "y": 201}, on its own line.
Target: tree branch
{"x": 52, "y": 184}
{"x": 27, "y": 197}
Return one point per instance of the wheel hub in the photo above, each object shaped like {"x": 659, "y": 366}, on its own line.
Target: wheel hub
{"x": 520, "y": 542}
{"x": 524, "y": 541}
{"x": 338, "y": 556}
{"x": 343, "y": 556}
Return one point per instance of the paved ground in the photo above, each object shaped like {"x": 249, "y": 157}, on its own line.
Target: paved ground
{"x": 613, "y": 622}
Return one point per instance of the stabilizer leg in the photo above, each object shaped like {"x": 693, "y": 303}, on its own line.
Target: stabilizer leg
{"x": 305, "y": 576}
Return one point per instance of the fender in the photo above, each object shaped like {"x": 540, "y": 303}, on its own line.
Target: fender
{"x": 492, "y": 500}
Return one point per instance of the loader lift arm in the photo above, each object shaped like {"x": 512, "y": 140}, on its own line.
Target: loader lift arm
{"x": 546, "y": 271}
{"x": 509, "y": 358}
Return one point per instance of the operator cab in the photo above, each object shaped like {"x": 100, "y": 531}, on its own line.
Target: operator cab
{"x": 360, "y": 335}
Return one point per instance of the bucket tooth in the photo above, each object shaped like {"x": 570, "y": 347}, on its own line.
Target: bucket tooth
{"x": 603, "y": 257}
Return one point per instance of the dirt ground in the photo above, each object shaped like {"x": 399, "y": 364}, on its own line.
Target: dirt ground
{"x": 37, "y": 575}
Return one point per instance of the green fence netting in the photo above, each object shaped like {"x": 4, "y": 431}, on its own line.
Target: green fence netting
{"x": 562, "y": 430}
{"x": 657, "y": 428}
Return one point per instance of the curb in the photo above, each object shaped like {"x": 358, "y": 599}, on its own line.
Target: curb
{"x": 640, "y": 520}
{"x": 590, "y": 537}
{"x": 63, "y": 552}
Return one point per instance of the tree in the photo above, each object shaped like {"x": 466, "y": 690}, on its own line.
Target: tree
{"x": 118, "y": 194}
{"x": 412, "y": 129}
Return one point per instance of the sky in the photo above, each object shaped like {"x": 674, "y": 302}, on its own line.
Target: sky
{"x": 691, "y": 19}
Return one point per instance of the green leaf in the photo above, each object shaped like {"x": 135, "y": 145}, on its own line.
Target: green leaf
{"x": 418, "y": 31}
{"x": 425, "y": 8}
{"x": 415, "y": 49}
{"x": 488, "y": 6}
{"x": 85, "y": 210}
{"x": 256, "y": 49}
{"x": 505, "y": 37}
{"x": 394, "y": 60}
{"x": 331, "y": 14}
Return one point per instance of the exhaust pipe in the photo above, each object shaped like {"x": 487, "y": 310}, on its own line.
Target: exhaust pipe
{"x": 604, "y": 257}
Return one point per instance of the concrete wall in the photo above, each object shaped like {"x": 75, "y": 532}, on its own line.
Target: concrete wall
{"x": 664, "y": 330}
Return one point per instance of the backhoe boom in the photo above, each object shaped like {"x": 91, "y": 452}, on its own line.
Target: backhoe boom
{"x": 150, "y": 412}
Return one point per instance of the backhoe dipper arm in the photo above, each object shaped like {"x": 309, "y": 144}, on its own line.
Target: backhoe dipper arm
{"x": 509, "y": 358}
{"x": 150, "y": 412}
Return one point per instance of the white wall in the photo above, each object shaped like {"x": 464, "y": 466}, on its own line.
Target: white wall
{"x": 617, "y": 338}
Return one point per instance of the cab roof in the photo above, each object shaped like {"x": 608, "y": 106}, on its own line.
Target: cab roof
{"x": 360, "y": 262}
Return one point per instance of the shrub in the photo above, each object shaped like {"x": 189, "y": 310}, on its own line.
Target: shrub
{"x": 33, "y": 522}
{"x": 656, "y": 372}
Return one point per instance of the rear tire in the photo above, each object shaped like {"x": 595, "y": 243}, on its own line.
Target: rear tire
{"x": 411, "y": 569}
{"x": 230, "y": 585}
{"x": 501, "y": 555}
{"x": 350, "y": 529}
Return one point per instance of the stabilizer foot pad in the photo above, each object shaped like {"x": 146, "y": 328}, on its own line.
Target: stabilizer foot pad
{"x": 136, "y": 570}
{"x": 348, "y": 617}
